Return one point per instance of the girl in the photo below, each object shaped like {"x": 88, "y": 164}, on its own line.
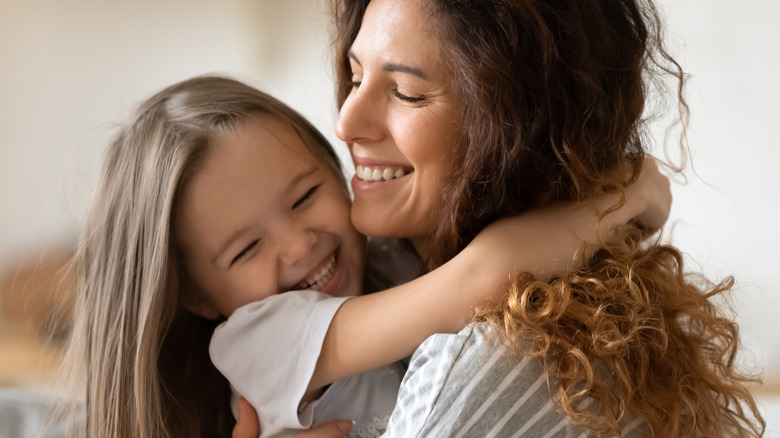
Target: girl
{"x": 215, "y": 200}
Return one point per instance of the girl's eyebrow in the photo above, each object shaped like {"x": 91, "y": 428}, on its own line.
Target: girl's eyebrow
{"x": 393, "y": 67}
{"x": 232, "y": 237}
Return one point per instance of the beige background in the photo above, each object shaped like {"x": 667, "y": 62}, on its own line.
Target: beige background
{"x": 71, "y": 69}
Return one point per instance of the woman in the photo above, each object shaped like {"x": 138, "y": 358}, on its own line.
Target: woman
{"x": 485, "y": 109}
{"x": 493, "y": 107}
{"x": 488, "y": 108}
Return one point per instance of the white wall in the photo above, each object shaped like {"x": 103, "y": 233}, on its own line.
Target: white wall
{"x": 727, "y": 216}
{"x": 69, "y": 69}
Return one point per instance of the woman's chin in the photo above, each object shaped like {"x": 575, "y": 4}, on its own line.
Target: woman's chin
{"x": 371, "y": 224}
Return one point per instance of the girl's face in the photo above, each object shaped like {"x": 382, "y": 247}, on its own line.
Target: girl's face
{"x": 262, "y": 215}
{"x": 399, "y": 122}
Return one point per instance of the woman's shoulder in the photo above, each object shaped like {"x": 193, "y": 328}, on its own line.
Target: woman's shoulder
{"x": 469, "y": 384}
{"x": 473, "y": 353}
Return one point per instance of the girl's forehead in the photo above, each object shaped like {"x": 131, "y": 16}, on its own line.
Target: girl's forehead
{"x": 258, "y": 164}
{"x": 283, "y": 132}
{"x": 280, "y": 147}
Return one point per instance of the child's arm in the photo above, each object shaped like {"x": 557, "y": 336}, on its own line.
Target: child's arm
{"x": 377, "y": 329}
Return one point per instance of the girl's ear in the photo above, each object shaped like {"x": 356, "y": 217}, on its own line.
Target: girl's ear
{"x": 199, "y": 304}
{"x": 195, "y": 300}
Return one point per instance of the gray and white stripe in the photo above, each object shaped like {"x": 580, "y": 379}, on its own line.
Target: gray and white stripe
{"x": 467, "y": 385}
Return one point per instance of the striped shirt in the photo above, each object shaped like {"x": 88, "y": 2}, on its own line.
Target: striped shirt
{"x": 467, "y": 385}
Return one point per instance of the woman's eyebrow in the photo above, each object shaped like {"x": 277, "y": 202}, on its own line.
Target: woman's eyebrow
{"x": 353, "y": 57}
{"x": 393, "y": 67}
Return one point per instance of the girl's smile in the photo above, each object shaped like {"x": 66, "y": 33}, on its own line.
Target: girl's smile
{"x": 263, "y": 215}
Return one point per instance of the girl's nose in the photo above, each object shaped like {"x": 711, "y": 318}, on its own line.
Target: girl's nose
{"x": 360, "y": 117}
{"x": 295, "y": 244}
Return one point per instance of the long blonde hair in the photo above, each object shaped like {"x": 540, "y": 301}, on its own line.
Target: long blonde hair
{"x": 139, "y": 362}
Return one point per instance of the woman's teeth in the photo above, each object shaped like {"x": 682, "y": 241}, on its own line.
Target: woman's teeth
{"x": 316, "y": 281}
{"x": 369, "y": 174}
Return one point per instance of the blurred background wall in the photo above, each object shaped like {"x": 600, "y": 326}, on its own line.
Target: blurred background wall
{"x": 71, "y": 69}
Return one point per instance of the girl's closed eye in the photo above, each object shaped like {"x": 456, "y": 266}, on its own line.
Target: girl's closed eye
{"x": 306, "y": 197}
{"x": 244, "y": 252}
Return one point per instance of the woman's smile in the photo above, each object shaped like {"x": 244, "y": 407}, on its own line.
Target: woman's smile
{"x": 378, "y": 173}
{"x": 374, "y": 175}
{"x": 399, "y": 122}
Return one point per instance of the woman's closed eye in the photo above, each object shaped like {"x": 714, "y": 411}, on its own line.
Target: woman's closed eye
{"x": 306, "y": 197}
{"x": 406, "y": 97}
{"x": 244, "y": 252}
{"x": 355, "y": 81}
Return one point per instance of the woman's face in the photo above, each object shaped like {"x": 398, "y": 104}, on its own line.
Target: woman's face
{"x": 399, "y": 122}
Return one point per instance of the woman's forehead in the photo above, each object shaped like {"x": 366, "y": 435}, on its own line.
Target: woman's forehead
{"x": 398, "y": 30}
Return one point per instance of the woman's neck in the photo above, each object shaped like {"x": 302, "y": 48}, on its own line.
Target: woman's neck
{"x": 422, "y": 245}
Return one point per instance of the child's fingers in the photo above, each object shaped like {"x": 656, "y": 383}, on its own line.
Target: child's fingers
{"x": 248, "y": 425}
{"x": 331, "y": 429}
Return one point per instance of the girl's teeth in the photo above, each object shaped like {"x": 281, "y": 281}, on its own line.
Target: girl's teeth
{"x": 371, "y": 174}
{"x": 321, "y": 277}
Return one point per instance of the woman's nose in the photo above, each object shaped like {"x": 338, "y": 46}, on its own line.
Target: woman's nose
{"x": 295, "y": 244}
{"x": 360, "y": 117}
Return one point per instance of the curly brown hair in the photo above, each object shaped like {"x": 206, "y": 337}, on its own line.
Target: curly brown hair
{"x": 634, "y": 332}
{"x": 554, "y": 107}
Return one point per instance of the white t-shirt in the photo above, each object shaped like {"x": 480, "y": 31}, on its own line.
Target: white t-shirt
{"x": 268, "y": 351}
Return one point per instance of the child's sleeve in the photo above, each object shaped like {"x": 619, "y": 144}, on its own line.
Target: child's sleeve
{"x": 268, "y": 350}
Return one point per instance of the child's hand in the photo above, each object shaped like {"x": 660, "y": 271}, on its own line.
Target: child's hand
{"x": 331, "y": 429}
{"x": 649, "y": 199}
{"x": 647, "y": 204}
{"x": 248, "y": 425}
